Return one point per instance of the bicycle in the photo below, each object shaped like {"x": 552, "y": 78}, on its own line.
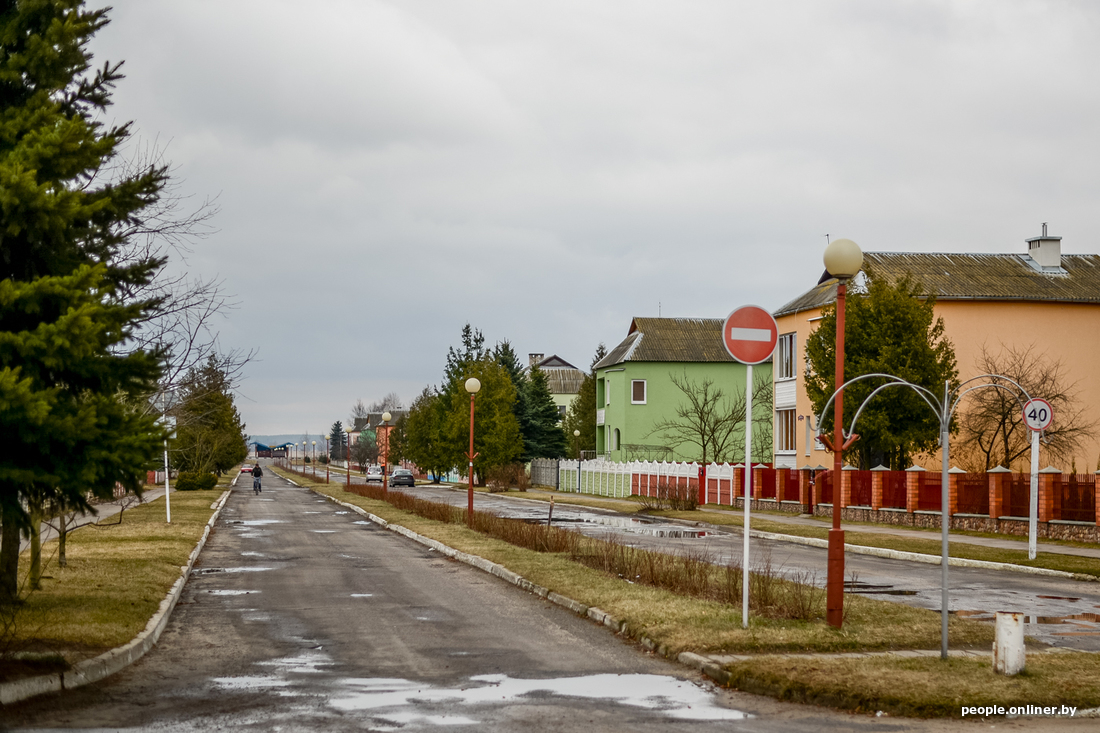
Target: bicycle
{"x": 256, "y": 488}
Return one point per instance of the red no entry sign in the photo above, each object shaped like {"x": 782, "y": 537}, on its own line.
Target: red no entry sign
{"x": 750, "y": 334}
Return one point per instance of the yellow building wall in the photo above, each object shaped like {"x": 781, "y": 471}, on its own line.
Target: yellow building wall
{"x": 1065, "y": 332}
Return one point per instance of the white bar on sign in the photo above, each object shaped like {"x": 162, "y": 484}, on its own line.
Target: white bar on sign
{"x": 750, "y": 334}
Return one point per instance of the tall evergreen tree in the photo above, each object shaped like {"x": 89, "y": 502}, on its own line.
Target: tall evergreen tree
{"x": 425, "y": 444}
{"x": 338, "y": 442}
{"x": 582, "y": 410}
{"x": 507, "y": 358}
{"x": 889, "y": 329}
{"x": 69, "y": 372}
{"x": 210, "y": 436}
{"x": 497, "y": 439}
{"x": 544, "y": 437}
{"x": 459, "y": 361}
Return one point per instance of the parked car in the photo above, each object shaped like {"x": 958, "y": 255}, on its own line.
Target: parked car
{"x": 374, "y": 473}
{"x": 246, "y": 468}
{"x": 402, "y": 476}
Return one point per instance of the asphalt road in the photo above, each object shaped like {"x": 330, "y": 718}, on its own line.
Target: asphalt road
{"x": 301, "y": 616}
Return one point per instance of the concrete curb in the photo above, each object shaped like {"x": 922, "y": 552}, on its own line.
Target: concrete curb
{"x": 93, "y": 670}
{"x": 922, "y": 558}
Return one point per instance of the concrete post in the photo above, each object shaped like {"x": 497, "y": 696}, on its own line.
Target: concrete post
{"x": 1008, "y": 644}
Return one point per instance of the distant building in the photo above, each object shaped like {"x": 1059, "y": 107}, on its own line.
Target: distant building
{"x": 563, "y": 378}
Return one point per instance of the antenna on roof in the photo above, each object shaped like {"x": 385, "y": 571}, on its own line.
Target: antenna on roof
{"x": 826, "y": 239}
{"x": 658, "y": 309}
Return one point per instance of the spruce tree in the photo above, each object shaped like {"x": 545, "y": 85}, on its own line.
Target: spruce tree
{"x": 545, "y": 438}
{"x": 70, "y": 378}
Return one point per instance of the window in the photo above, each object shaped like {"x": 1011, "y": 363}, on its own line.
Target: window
{"x": 615, "y": 440}
{"x": 784, "y": 357}
{"x": 785, "y": 431}
{"x": 562, "y": 409}
{"x": 637, "y": 392}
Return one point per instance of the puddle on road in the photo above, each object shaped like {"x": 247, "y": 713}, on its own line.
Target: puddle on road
{"x": 322, "y": 531}
{"x": 249, "y": 683}
{"x": 253, "y": 554}
{"x": 343, "y": 512}
{"x": 231, "y": 592}
{"x": 362, "y": 521}
{"x": 362, "y": 595}
{"x": 208, "y": 571}
{"x": 309, "y": 662}
{"x": 675, "y": 698}
{"x": 254, "y": 522}
{"x": 1081, "y": 624}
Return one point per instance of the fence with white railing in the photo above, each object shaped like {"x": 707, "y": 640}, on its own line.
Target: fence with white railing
{"x": 606, "y": 478}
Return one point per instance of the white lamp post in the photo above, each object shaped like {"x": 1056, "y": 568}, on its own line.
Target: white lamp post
{"x": 473, "y": 386}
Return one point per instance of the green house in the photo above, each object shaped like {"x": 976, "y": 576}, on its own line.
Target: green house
{"x": 636, "y": 391}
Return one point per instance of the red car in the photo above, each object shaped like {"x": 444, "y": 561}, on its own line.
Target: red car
{"x": 246, "y": 468}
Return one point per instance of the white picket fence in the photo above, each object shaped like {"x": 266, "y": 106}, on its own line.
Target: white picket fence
{"x": 606, "y": 478}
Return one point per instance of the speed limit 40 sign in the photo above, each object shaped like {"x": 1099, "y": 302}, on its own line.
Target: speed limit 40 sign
{"x": 1038, "y": 414}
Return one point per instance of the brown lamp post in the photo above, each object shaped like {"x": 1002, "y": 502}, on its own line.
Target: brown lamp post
{"x": 843, "y": 259}
{"x": 347, "y": 457}
{"x": 328, "y": 457}
{"x": 386, "y": 453}
{"x": 314, "y": 444}
{"x": 473, "y": 386}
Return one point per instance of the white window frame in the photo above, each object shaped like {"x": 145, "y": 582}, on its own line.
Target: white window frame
{"x": 786, "y": 353}
{"x": 645, "y": 391}
{"x": 786, "y": 426}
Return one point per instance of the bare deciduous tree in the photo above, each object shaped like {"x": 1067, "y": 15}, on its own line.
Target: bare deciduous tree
{"x": 991, "y": 429}
{"x": 714, "y": 423}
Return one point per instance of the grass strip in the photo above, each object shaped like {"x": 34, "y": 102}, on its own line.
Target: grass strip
{"x": 922, "y": 687}
{"x": 117, "y": 575}
{"x": 690, "y": 624}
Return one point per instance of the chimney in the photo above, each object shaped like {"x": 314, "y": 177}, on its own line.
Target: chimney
{"x": 534, "y": 359}
{"x": 1045, "y": 250}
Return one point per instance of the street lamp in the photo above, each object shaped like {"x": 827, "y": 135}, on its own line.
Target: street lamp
{"x": 577, "y": 450}
{"x": 843, "y": 259}
{"x": 473, "y": 386}
{"x": 328, "y": 457}
{"x": 314, "y": 461}
{"x": 386, "y": 452}
{"x": 347, "y": 456}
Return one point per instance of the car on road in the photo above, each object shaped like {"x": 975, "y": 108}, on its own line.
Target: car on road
{"x": 374, "y": 473}
{"x": 402, "y": 476}
{"x": 246, "y": 468}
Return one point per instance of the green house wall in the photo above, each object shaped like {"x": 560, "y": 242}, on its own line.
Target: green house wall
{"x": 636, "y": 422}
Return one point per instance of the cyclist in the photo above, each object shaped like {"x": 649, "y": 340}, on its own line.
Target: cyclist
{"x": 257, "y": 474}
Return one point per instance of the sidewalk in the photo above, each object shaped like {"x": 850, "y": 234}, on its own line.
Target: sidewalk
{"x": 106, "y": 509}
{"x": 1004, "y": 543}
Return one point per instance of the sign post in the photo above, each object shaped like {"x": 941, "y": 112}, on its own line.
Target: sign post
{"x": 749, "y": 335}
{"x": 1038, "y": 415}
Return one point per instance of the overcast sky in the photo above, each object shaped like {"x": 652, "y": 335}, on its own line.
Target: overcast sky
{"x": 388, "y": 171}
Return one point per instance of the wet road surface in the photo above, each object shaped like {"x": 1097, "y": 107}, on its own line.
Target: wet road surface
{"x": 301, "y": 616}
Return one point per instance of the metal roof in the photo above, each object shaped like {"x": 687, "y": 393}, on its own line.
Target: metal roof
{"x": 1007, "y": 277}
{"x": 670, "y": 339}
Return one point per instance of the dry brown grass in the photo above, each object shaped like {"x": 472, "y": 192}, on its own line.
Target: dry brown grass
{"x": 117, "y": 575}
{"x": 922, "y": 687}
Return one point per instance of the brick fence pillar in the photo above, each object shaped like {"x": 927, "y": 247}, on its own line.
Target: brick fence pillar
{"x": 953, "y": 474}
{"x": 1050, "y": 494}
{"x": 846, "y": 486}
{"x": 876, "y": 487}
{"x": 1000, "y": 483}
{"x": 1096, "y": 496}
{"x": 912, "y": 487}
{"x": 757, "y": 482}
{"x": 805, "y": 490}
{"x": 781, "y": 477}
{"x": 738, "y": 482}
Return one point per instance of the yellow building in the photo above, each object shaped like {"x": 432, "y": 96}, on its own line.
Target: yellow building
{"x": 1038, "y": 299}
